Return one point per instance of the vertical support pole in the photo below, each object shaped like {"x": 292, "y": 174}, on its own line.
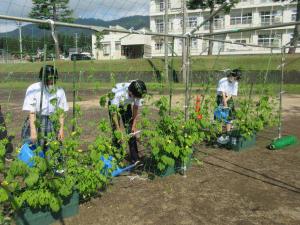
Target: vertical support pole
{"x": 183, "y": 2}
{"x": 20, "y": 39}
{"x": 76, "y": 42}
{"x": 171, "y": 78}
{"x": 166, "y": 41}
{"x": 185, "y": 74}
{"x": 281, "y": 92}
{"x": 74, "y": 94}
{"x": 43, "y": 78}
{"x": 42, "y": 90}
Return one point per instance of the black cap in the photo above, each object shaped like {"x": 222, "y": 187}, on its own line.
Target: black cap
{"x": 50, "y": 73}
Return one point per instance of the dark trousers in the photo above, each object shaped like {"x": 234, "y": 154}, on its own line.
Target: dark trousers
{"x": 3, "y": 135}
{"x": 125, "y": 112}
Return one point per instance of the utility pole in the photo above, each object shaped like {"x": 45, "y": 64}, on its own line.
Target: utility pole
{"x": 166, "y": 41}
{"x": 19, "y": 24}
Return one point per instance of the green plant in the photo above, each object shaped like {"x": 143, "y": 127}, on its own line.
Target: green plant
{"x": 42, "y": 186}
{"x": 254, "y": 115}
{"x": 171, "y": 138}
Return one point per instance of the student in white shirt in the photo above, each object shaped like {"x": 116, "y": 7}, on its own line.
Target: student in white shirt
{"x": 124, "y": 104}
{"x": 40, "y": 109}
{"x": 226, "y": 90}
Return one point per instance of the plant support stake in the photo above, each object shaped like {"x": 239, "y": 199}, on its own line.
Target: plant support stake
{"x": 281, "y": 92}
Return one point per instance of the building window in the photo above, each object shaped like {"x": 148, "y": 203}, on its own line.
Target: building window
{"x": 268, "y": 17}
{"x": 192, "y": 22}
{"x": 241, "y": 41}
{"x": 162, "y": 5}
{"x": 268, "y": 40}
{"x": 106, "y": 49}
{"x": 159, "y": 23}
{"x": 180, "y": 43}
{"x": 241, "y": 18}
{"x": 194, "y": 43}
{"x": 117, "y": 46}
{"x": 294, "y": 15}
{"x": 170, "y": 24}
{"x": 266, "y": 1}
{"x": 218, "y": 23}
{"x": 159, "y": 45}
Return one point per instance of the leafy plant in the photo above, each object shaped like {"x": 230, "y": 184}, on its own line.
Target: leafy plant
{"x": 253, "y": 116}
{"x": 171, "y": 138}
{"x": 42, "y": 186}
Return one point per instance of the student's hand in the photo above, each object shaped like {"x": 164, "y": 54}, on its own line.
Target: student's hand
{"x": 225, "y": 104}
{"x": 61, "y": 134}
{"x": 133, "y": 129}
{"x": 33, "y": 136}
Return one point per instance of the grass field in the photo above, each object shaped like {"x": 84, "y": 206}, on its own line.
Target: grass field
{"x": 204, "y": 63}
{"x": 152, "y": 87}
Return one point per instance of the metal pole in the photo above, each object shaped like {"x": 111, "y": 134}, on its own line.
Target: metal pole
{"x": 171, "y": 79}
{"x": 76, "y": 42}
{"x": 166, "y": 41}
{"x": 19, "y": 24}
{"x": 42, "y": 94}
{"x": 281, "y": 92}
{"x": 184, "y": 15}
{"x": 74, "y": 95}
{"x": 186, "y": 67}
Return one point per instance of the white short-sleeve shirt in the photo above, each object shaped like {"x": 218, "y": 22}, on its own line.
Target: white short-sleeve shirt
{"x": 121, "y": 96}
{"x": 51, "y": 101}
{"x": 229, "y": 88}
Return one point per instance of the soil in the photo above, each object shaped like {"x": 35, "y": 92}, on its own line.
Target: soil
{"x": 252, "y": 187}
{"x": 255, "y": 186}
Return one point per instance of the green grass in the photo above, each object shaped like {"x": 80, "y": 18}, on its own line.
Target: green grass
{"x": 152, "y": 87}
{"x": 203, "y": 63}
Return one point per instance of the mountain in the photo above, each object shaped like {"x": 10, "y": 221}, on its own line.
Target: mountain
{"x": 136, "y": 22}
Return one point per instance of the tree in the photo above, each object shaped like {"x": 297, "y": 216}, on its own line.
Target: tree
{"x": 56, "y": 10}
{"x": 211, "y": 5}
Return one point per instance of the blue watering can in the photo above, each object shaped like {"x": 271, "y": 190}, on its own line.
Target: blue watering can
{"x": 222, "y": 114}
{"x": 27, "y": 153}
{"x": 108, "y": 164}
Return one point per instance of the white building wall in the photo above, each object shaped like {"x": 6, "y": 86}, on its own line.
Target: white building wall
{"x": 112, "y": 44}
{"x": 256, "y": 7}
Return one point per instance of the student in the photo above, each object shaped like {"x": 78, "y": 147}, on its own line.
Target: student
{"x": 53, "y": 99}
{"x": 226, "y": 90}
{"x": 125, "y": 102}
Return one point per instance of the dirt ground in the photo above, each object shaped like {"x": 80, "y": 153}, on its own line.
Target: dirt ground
{"x": 256, "y": 186}
{"x": 253, "y": 187}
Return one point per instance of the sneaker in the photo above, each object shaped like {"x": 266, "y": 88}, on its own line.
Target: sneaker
{"x": 60, "y": 172}
{"x": 221, "y": 140}
{"x": 8, "y": 158}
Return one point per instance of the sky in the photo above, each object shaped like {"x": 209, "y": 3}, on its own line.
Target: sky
{"x": 101, "y": 9}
